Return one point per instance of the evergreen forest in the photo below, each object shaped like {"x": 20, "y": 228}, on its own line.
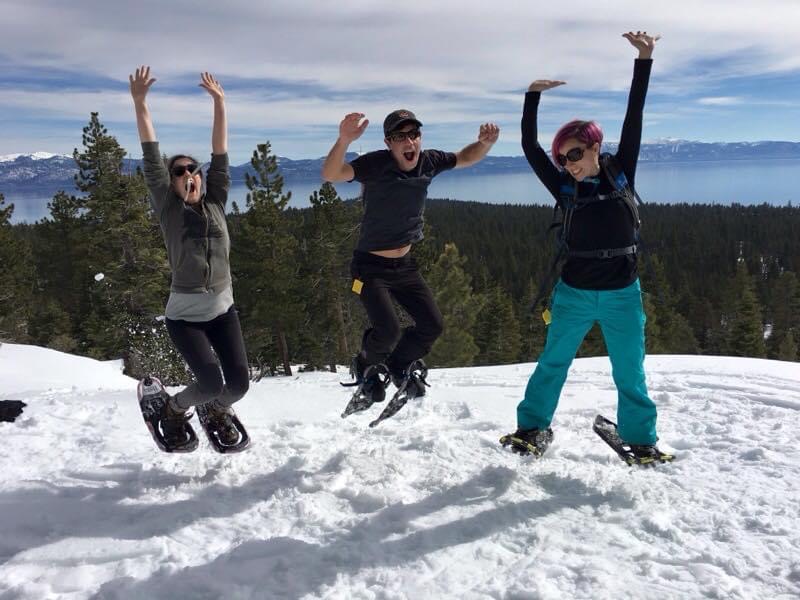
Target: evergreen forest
{"x": 93, "y": 279}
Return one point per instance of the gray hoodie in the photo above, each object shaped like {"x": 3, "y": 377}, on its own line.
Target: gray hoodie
{"x": 197, "y": 242}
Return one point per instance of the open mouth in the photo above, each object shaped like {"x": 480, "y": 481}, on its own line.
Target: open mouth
{"x": 409, "y": 156}
{"x": 190, "y": 186}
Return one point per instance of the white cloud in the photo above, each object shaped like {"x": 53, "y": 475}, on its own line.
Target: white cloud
{"x": 479, "y": 57}
{"x": 444, "y": 45}
{"x": 720, "y": 101}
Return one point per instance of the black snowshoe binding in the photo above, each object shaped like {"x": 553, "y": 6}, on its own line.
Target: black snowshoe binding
{"x": 533, "y": 442}
{"x": 223, "y": 428}
{"x": 170, "y": 428}
{"x": 410, "y": 384}
{"x": 631, "y": 454}
{"x": 370, "y": 383}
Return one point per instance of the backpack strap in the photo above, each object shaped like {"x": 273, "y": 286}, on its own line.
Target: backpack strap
{"x": 616, "y": 176}
{"x": 569, "y": 203}
{"x": 605, "y": 253}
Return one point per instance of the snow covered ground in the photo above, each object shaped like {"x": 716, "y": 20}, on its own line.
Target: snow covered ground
{"x": 427, "y": 505}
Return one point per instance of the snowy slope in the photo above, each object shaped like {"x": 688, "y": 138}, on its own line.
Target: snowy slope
{"x": 427, "y": 505}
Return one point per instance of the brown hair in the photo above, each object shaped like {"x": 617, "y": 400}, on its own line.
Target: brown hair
{"x": 171, "y": 161}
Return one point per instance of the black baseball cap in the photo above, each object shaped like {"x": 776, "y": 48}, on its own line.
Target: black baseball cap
{"x": 397, "y": 118}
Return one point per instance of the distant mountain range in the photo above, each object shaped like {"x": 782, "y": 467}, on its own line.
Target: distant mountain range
{"x": 43, "y": 170}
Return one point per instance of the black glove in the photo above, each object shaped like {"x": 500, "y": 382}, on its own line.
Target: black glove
{"x": 10, "y": 409}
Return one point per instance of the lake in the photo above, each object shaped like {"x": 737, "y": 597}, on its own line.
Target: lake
{"x": 728, "y": 182}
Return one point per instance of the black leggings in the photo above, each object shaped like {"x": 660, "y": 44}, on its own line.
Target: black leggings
{"x": 398, "y": 278}
{"x": 195, "y": 342}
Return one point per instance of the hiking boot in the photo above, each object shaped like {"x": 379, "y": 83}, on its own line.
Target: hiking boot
{"x": 646, "y": 451}
{"x": 528, "y": 441}
{"x": 648, "y": 454}
{"x": 412, "y": 377}
{"x": 373, "y": 387}
{"x": 220, "y": 420}
{"x": 173, "y": 422}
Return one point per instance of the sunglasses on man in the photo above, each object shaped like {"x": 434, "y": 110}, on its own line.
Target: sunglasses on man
{"x": 402, "y": 136}
{"x": 179, "y": 170}
{"x": 573, "y": 155}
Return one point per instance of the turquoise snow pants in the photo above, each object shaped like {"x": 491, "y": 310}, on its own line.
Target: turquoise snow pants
{"x": 621, "y": 317}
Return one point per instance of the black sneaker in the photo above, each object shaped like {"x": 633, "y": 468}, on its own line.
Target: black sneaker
{"x": 649, "y": 453}
{"x": 528, "y": 441}
{"x": 173, "y": 423}
{"x": 220, "y": 420}
{"x": 371, "y": 377}
{"x": 644, "y": 451}
{"x": 411, "y": 379}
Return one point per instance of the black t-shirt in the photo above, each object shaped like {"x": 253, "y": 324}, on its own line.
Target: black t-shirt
{"x": 394, "y": 200}
{"x": 598, "y": 225}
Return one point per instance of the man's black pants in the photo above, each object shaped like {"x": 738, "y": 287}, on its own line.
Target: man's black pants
{"x": 398, "y": 278}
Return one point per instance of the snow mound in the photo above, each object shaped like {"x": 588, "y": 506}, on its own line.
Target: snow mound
{"x": 426, "y": 505}
{"x": 27, "y": 369}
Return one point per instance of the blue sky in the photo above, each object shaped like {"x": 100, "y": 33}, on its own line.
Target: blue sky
{"x": 723, "y": 71}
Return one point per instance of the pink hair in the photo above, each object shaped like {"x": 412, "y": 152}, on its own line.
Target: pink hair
{"x": 586, "y": 132}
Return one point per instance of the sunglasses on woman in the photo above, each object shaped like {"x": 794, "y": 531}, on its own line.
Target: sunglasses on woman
{"x": 402, "y": 136}
{"x": 179, "y": 170}
{"x": 573, "y": 155}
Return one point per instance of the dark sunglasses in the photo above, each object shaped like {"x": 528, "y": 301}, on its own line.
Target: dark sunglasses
{"x": 402, "y": 136}
{"x": 573, "y": 155}
{"x": 179, "y": 170}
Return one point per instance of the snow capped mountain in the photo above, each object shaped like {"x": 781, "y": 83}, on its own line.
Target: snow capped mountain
{"x": 427, "y": 505}
{"x": 34, "y": 156}
{"x": 42, "y": 170}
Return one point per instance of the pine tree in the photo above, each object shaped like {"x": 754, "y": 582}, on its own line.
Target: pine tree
{"x": 60, "y": 255}
{"x": 710, "y": 327}
{"x": 101, "y": 156}
{"x": 265, "y": 263}
{"x": 127, "y": 273}
{"x": 533, "y": 329}
{"x": 746, "y": 327}
{"x": 51, "y": 325}
{"x": 452, "y": 290}
{"x": 785, "y": 311}
{"x": 788, "y": 347}
{"x": 593, "y": 344}
{"x": 328, "y": 241}
{"x": 497, "y": 330}
{"x": 667, "y": 331}
{"x": 427, "y": 252}
{"x": 16, "y": 280}
{"x": 653, "y": 332}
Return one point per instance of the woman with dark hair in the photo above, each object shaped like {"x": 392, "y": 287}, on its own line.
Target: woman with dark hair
{"x": 599, "y": 279}
{"x": 200, "y": 315}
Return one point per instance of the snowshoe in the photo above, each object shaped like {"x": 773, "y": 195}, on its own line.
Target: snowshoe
{"x": 632, "y": 454}
{"x": 370, "y": 382}
{"x": 410, "y": 384}
{"x": 170, "y": 428}
{"x": 532, "y": 442}
{"x": 223, "y": 428}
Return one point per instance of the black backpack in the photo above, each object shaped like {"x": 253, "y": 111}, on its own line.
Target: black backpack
{"x": 565, "y": 208}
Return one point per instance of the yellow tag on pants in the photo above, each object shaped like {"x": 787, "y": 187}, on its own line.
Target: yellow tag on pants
{"x": 357, "y": 285}
{"x": 547, "y": 316}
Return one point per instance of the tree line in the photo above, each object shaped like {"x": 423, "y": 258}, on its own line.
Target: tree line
{"x": 92, "y": 278}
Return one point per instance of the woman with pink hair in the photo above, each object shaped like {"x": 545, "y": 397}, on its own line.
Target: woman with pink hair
{"x": 599, "y": 280}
